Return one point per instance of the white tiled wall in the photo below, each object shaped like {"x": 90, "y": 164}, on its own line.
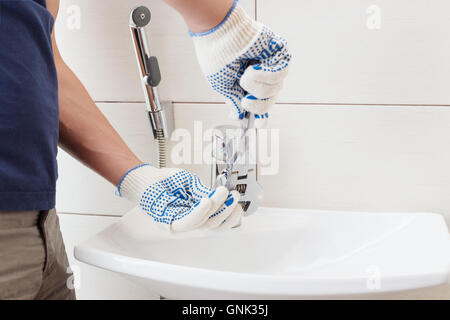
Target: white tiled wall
{"x": 364, "y": 120}
{"x": 340, "y": 58}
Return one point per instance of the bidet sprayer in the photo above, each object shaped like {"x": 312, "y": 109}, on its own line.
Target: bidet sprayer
{"x": 149, "y": 72}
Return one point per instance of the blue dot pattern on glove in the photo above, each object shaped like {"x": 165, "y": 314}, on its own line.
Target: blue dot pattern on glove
{"x": 270, "y": 54}
{"x": 174, "y": 198}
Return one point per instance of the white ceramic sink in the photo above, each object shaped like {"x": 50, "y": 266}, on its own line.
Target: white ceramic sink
{"x": 279, "y": 254}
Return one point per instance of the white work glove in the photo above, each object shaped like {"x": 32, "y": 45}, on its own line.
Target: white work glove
{"x": 245, "y": 62}
{"x": 178, "y": 201}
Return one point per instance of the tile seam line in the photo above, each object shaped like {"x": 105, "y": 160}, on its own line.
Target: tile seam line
{"x": 91, "y": 214}
{"x": 292, "y": 103}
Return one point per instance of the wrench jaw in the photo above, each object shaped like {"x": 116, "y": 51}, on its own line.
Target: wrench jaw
{"x": 244, "y": 180}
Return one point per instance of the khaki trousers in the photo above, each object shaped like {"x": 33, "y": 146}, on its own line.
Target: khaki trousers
{"x": 33, "y": 261}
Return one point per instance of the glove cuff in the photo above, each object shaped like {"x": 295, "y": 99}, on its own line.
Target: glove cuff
{"x": 135, "y": 182}
{"x": 230, "y": 39}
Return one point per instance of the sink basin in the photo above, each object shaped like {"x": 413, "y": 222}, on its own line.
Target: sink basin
{"x": 279, "y": 254}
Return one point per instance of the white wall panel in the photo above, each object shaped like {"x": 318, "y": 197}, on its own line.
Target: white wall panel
{"x": 80, "y": 190}
{"x": 352, "y": 158}
{"x": 101, "y": 54}
{"x": 338, "y": 59}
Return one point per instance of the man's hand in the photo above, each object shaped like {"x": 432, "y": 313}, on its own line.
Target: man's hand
{"x": 245, "y": 62}
{"x": 178, "y": 200}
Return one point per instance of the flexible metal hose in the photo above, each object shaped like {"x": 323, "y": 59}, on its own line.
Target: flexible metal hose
{"x": 162, "y": 149}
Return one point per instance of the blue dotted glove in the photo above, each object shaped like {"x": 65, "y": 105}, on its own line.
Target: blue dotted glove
{"x": 177, "y": 200}
{"x": 245, "y": 62}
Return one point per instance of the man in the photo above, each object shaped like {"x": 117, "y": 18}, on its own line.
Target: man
{"x": 42, "y": 103}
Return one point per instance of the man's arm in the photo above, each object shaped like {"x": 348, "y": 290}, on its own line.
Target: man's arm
{"x": 242, "y": 59}
{"x": 201, "y": 15}
{"x": 84, "y": 131}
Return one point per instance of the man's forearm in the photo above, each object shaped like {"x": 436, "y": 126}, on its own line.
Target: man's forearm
{"x": 202, "y": 15}
{"x": 85, "y": 132}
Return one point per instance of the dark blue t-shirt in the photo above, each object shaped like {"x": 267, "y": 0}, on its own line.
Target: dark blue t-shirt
{"x": 29, "y": 112}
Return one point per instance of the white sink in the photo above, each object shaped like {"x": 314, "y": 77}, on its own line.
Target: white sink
{"x": 279, "y": 254}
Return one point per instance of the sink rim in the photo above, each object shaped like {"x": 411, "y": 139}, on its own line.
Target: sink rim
{"x": 253, "y": 283}
{"x": 247, "y": 283}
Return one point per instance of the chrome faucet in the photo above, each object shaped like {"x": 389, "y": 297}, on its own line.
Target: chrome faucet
{"x": 232, "y": 163}
{"x": 160, "y": 113}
